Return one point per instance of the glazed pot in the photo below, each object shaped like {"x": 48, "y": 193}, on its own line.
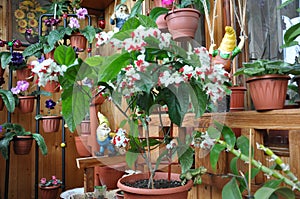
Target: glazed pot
{"x": 51, "y": 123}
{"x": 26, "y": 104}
{"x": 22, "y": 144}
{"x": 183, "y": 23}
{"x": 268, "y": 92}
{"x": 180, "y": 192}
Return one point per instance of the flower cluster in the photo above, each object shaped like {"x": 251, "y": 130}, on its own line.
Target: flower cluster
{"x": 120, "y": 140}
{"x": 17, "y": 61}
{"x": 211, "y": 77}
{"x": 21, "y": 87}
{"x": 104, "y": 37}
{"x": 27, "y": 14}
{"x": 52, "y": 182}
{"x": 203, "y": 141}
{"x": 47, "y": 70}
{"x": 80, "y": 13}
{"x": 52, "y": 22}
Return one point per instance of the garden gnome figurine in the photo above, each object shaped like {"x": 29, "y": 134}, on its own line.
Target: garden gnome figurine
{"x": 227, "y": 49}
{"x": 104, "y": 136}
{"x": 120, "y": 16}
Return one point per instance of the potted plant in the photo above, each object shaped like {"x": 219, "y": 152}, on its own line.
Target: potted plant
{"x": 49, "y": 188}
{"x": 50, "y": 122}
{"x": 22, "y": 140}
{"x": 26, "y": 101}
{"x": 151, "y": 69}
{"x": 268, "y": 80}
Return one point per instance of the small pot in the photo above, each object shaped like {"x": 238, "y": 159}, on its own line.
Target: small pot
{"x": 24, "y": 74}
{"x": 79, "y": 41}
{"x": 26, "y": 104}
{"x": 85, "y": 127}
{"x": 52, "y": 87}
{"x": 22, "y": 144}
{"x": 51, "y": 123}
{"x": 49, "y": 192}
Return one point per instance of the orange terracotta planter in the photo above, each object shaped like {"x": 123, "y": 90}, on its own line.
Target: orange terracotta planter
{"x": 22, "y": 144}
{"x": 237, "y": 98}
{"x": 82, "y": 148}
{"x": 78, "y": 40}
{"x": 26, "y": 104}
{"x": 268, "y": 92}
{"x": 51, "y": 123}
{"x": 162, "y": 23}
{"x": 49, "y": 192}
{"x": 137, "y": 193}
{"x": 24, "y": 74}
{"x": 183, "y": 23}
{"x": 52, "y": 87}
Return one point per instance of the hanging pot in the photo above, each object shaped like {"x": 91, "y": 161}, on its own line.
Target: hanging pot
{"x": 77, "y": 40}
{"x": 22, "y": 144}
{"x": 24, "y": 74}
{"x": 183, "y": 23}
{"x": 82, "y": 148}
{"x": 26, "y": 104}
{"x": 52, "y": 87}
{"x": 268, "y": 92}
{"x": 162, "y": 23}
{"x": 49, "y": 192}
{"x": 180, "y": 192}
{"x": 51, "y": 123}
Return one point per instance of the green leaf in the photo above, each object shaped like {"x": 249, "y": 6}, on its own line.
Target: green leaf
{"x": 94, "y": 61}
{"x": 131, "y": 158}
{"x": 64, "y": 55}
{"x": 199, "y": 99}
{"x": 266, "y": 192}
{"x": 8, "y": 100}
{"x": 136, "y": 9}
{"x": 41, "y": 143}
{"x": 89, "y": 33}
{"x": 292, "y": 33}
{"x": 157, "y": 11}
{"x": 233, "y": 166}
{"x": 130, "y": 24}
{"x": 243, "y": 144}
{"x": 53, "y": 37}
{"x": 227, "y": 134}
{"x": 32, "y": 49}
{"x": 214, "y": 155}
{"x": 4, "y": 144}
{"x": 146, "y": 21}
{"x": 186, "y": 159}
{"x": 5, "y": 59}
{"x": 231, "y": 190}
{"x": 213, "y": 132}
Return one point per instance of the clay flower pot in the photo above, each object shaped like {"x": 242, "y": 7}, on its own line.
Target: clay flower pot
{"x": 109, "y": 175}
{"x": 52, "y": 87}
{"x": 82, "y": 148}
{"x": 78, "y": 40}
{"x": 26, "y": 104}
{"x": 162, "y": 23}
{"x": 183, "y": 23}
{"x": 180, "y": 192}
{"x": 22, "y": 144}
{"x": 49, "y": 192}
{"x": 51, "y": 123}
{"x": 237, "y": 98}
{"x": 268, "y": 92}
{"x": 24, "y": 74}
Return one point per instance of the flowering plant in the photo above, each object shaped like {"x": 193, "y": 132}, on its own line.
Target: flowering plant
{"x": 52, "y": 182}
{"x": 50, "y": 104}
{"x": 47, "y": 70}
{"x": 14, "y": 60}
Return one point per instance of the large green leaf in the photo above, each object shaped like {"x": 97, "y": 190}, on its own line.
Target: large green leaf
{"x": 130, "y": 24}
{"x": 199, "y": 99}
{"x": 64, "y": 55}
{"x": 231, "y": 190}
{"x": 41, "y": 143}
{"x": 32, "y": 49}
{"x": 227, "y": 134}
{"x": 89, "y": 33}
{"x": 292, "y": 33}
{"x": 136, "y": 9}
{"x": 213, "y": 133}
{"x": 157, "y": 11}
{"x": 267, "y": 192}
{"x": 185, "y": 157}
{"x": 146, "y": 21}
{"x": 8, "y": 100}
{"x": 131, "y": 158}
{"x": 5, "y": 59}
{"x": 94, "y": 61}
{"x": 243, "y": 145}
{"x": 53, "y": 37}
{"x": 214, "y": 155}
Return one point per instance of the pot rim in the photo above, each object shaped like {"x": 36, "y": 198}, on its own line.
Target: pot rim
{"x": 23, "y": 137}
{"x": 47, "y": 117}
{"x": 144, "y": 191}
{"x": 172, "y": 11}
{"x": 27, "y": 97}
{"x": 269, "y": 76}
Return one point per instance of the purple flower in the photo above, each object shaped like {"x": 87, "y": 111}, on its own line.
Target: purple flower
{"x": 15, "y": 90}
{"x": 81, "y": 12}
{"x": 22, "y": 85}
{"x": 50, "y": 104}
{"x": 1, "y": 129}
{"x": 16, "y": 58}
{"x": 74, "y": 23}
{"x": 167, "y": 2}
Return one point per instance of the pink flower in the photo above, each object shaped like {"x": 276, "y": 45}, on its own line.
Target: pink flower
{"x": 74, "y": 23}
{"x": 81, "y": 12}
{"x": 167, "y": 2}
{"x": 43, "y": 180}
{"x": 22, "y": 85}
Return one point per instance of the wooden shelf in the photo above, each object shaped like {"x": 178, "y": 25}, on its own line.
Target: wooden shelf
{"x": 90, "y": 162}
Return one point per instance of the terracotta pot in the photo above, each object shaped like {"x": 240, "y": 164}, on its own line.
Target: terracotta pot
{"x": 82, "y": 148}
{"x": 237, "y": 101}
{"x": 136, "y": 193}
{"x": 51, "y": 123}
{"x": 268, "y": 92}
{"x": 162, "y": 23}
{"x": 1, "y": 104}
{"x": 26, "y": 104}
{"x": 78, "y": 40}
{"x": 85, "y": 127}
{"x": 119, "y": 194}
{"x": 109, "y": 175}
{"x": 52, "y": 87}
{"x": 49, "y": 192}
{"x": 24, "y": 74}
{"x": 183, "y": 23}
{"x": 22, "y": 144}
